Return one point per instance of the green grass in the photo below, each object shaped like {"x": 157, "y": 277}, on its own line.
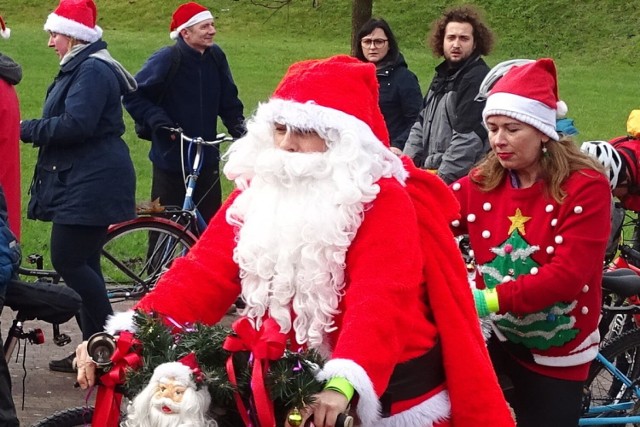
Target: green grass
{"x": 595, "y": 44}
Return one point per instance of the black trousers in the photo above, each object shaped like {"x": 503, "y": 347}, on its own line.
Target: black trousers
{"x": 169, "y": 187}
{"x": 75, "y": 255}
{"x": 537, "y": 400}
{"x": 8, "y": 415}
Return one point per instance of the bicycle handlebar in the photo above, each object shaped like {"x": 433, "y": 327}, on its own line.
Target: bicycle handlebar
{"x": 220, "y": 138}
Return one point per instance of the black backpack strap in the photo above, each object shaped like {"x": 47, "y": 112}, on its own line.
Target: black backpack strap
{"x": 176, "y": 57}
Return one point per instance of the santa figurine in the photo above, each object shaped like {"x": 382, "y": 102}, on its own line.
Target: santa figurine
{"x": 175, "y": 397}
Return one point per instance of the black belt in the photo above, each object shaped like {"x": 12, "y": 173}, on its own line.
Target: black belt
{"x": 414, "y": 378}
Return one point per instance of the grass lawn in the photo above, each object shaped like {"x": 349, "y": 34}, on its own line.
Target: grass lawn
{"x": 598, "y": 72}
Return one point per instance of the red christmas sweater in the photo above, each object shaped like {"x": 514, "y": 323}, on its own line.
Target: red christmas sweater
{"x": 545, "y": 259}
{"x": 384, "y": 317}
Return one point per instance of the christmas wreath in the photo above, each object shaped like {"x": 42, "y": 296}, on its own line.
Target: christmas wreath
{"x": 230, "y": 369}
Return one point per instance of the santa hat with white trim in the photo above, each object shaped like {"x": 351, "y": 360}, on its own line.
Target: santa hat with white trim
{"x": 339, "y": 92}
{"x": 5, "y": 32}
{"x": 186, "y": 15}
{"x": 528, "y": 93}
{"x": 185, "y": 371}
{"x": 75, "y": 18}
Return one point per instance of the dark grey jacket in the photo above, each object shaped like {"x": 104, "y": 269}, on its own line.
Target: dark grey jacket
{"x": 449, "y": 135}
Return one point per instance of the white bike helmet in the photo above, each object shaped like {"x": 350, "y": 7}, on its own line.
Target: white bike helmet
{"x": 496, "y": 74}
{"x": 606, "y": 154}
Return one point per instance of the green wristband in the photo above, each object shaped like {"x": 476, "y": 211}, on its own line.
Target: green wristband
{"x": 341, "y": 385}
{"x": 491, "y": 297}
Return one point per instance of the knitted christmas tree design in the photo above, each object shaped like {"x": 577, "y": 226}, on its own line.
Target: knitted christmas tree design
{"x": 552, "y": 326}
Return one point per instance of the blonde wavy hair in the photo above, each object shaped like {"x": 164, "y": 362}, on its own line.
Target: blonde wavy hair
{"x": 563, "y": 157}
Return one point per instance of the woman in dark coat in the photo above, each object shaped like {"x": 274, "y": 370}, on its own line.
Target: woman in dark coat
{"x": 400, "y": 95}
{"x": 84, "y": 178}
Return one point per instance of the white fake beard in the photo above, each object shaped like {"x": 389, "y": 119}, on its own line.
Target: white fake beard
{"x": 146, "y": 410}
{"x": 297, "y": 220}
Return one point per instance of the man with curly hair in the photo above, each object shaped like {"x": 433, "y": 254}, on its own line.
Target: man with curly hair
{"x": 448, "y": 137}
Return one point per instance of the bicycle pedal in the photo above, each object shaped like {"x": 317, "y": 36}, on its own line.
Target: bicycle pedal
{"x": 62, "y": 340}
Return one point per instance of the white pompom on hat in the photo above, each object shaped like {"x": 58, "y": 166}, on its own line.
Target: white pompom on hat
{"x": 186, "y": 15}
{"x": 5, "y": 32}
{"x": 528, "y": 93}
{"x": 75, "y": 18}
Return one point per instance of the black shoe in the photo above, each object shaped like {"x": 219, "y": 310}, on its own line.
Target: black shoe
{"x": 63, "y": 365}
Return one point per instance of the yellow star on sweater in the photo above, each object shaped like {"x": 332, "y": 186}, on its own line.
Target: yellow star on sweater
{"x": 517, "y": 222}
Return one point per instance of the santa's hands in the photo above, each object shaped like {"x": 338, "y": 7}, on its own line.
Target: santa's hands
{"x": 86, "y": 376}
{"x": 326, "y": 408}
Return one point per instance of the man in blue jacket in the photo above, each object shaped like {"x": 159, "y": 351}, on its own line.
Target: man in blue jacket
{"x": 187, "y": 85}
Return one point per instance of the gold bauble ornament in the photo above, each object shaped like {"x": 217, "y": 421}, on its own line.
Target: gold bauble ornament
{"x": 294, "y": 418}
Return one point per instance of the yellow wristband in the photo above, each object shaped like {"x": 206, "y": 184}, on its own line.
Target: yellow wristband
{"x": 341, "y": 385}
{"x": 491, "y": 297}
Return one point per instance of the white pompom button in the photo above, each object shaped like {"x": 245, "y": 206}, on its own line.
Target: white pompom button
{"x": 486, "y": 234}
{"x": 554, "y": 222}
{"x": 577, "y": 209}
{"x": 585, "y": 289}
{"x": 550, "y": 250}
{"x": 456, "y": 186}
{"x": 585, "y": 310}
{"x": 455, "y": 223}
{"x": 534, "y": 270}
{"x": 471, "y": 217}
{"x": 549, "y": 208}
{"x": 559, "y": 240}
{"x": 486, "y": 207}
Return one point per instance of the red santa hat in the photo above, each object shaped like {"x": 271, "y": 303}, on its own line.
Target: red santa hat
{"x": 5, "y": 32}
{"x": 186, "y": 15}
{"x": 528, "y": 93}
{"x": 75, "y": 18}
{"x": 340, "y": 92}
{"x": 185, "y": 371}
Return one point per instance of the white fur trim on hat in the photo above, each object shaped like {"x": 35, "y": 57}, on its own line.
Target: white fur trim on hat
{"x": 195, "y": 19}
{"x": 526, "y": 110}
{"x": 5, "y": 33}
{"x": 59, "y": 24}
{"x": 174, "y": 371}
{"x": 326, "y": 122}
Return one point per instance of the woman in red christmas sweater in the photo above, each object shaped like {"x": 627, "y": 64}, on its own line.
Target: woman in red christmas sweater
{"x": 537, "y": 214}
{"x": 306, "y": 240}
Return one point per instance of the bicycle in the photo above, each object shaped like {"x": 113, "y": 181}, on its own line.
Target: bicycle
{"x": 137, "y": 252}
{"x": 40, "y": 300}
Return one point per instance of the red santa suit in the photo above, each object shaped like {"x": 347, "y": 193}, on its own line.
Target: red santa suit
{"x": 403, "y": 330}
{"x": 10, "y": 75}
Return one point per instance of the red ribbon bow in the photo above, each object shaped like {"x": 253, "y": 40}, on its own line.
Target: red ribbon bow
{"x": 107, "y": 412}
{"x": 265, "y": 344}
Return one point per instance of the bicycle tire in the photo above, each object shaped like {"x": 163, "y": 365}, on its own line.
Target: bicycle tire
{"x": 601, "y": 387}
{"x": 131, "y": 265}
{"x": 71, "y": 417}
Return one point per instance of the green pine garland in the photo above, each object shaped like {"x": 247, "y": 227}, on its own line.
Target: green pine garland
{"x": 290, "y": 380}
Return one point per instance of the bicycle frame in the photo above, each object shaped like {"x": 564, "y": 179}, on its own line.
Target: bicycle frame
{"x": 624, "y": 406}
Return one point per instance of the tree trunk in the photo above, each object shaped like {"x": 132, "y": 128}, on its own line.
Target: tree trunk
{"x": 360, "y": 13}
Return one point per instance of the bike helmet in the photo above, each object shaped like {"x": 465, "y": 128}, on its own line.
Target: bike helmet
{"x": 496, "y": 74}
{"x": 606, "y": 154}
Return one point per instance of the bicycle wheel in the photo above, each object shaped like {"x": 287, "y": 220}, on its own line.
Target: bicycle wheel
{"x": 603, "y": 388}
{"x": 137, "y": 252}
{"x": 72, "y": 417}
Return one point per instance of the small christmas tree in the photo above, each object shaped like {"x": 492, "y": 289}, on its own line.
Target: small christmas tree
{"x": 552, "y": 326}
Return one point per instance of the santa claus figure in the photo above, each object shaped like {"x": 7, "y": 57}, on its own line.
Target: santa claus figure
{"x": 174, "y": 397}
{"x": 348, "y": 250}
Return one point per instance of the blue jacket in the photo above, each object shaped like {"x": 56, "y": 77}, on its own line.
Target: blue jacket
{"x": 201, "y": 91}
{"x": 84, "y": 174}
{"x": 400, "y": 99}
